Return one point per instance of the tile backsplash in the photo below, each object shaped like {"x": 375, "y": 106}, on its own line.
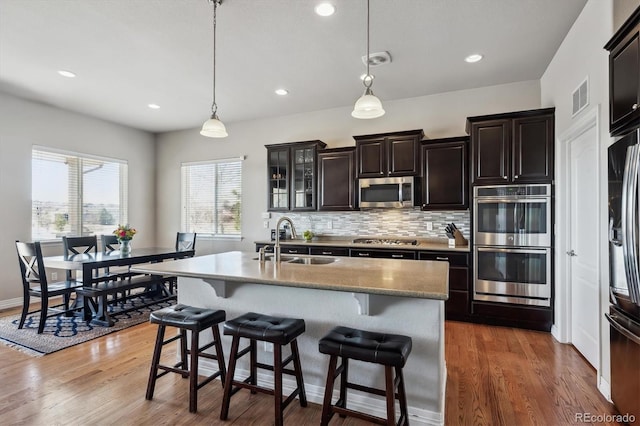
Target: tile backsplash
{"x": 377, "y": 222}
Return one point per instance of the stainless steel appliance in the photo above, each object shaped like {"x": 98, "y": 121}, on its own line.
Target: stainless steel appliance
{"x": 513, "y": 215}
{"x": 512, "y": 244}
{"x": 399, "y": 192}
{"x": 624, "y": 273}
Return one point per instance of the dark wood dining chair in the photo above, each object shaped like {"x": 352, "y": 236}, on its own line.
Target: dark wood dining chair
{"x": 185, "y": 241}
{"x": 34, "y": 283}
{"x": 78, "y": 246}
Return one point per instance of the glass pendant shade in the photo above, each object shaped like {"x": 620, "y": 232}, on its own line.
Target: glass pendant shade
{"x": 214, "y": 128}
{"x": 367, "y": 106}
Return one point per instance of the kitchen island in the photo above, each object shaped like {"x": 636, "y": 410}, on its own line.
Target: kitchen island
{"x": 386, "y": 295}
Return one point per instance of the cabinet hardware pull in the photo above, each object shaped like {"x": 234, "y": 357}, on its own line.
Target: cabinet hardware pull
{"x": 293, "y": 251}
{"x": 397, "y": 255}
{"x": 442, "y": 258}
{"x": 634, "y": 107}
{"x": 327, "y": 252}
{"x": 363, "y": 254}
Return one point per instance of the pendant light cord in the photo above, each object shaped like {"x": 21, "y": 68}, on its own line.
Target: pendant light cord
{"x": 368, "y": 81}
{"x": 214, "y": 106}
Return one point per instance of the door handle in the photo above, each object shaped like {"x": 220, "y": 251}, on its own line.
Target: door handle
{"x": 571, "y": 253}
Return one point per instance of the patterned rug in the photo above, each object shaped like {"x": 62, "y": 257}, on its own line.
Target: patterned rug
{"x": 61, "y": 332}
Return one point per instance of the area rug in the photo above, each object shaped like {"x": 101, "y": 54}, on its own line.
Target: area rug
{"x": 61, "y": 332}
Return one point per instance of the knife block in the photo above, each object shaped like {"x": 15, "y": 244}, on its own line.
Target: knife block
{"x": 458, "y": 240}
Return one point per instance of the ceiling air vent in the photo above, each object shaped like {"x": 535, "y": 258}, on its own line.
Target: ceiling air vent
{"x": 377, "y": 59}
{"x": 580, "y": 97}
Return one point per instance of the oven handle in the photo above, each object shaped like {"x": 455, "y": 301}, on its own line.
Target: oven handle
{"x": 513, "y": 250}
{"x": 626, "y": 333}
{"x": 487, "y": 200}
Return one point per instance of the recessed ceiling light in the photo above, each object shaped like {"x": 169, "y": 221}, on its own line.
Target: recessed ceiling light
{"x": 282, "y": 92}
{"x": 66, "y": 73}
{"x": 154, "y": 106}
{"x": 325, "y": 9}
{"x": 473, "y": 58}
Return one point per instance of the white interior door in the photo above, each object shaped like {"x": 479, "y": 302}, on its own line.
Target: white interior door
{"x": 584, "y": 269}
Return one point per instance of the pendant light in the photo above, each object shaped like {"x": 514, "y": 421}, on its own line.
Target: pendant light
{"x": 368, "y": 105}
{"x": 213, "y": 127}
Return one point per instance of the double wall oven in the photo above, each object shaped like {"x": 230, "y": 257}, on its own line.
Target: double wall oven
{"x": 512, "y": 244}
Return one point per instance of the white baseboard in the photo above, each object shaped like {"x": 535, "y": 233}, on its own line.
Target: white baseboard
{"x": 605, "y": 388}
{"x": 315, "y": 394}
{"x": 10, "y": 303}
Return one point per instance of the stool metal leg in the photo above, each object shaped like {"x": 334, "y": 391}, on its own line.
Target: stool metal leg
{"x": 153, "y": 373}
{"x": 390, "y": 395}
{"x": 277, "y": 383}
{"x": 302, "y": 395}
{"x": 327, "y": 413}
{"x": 193, "y": 373}
{"x": 228, "y": 385}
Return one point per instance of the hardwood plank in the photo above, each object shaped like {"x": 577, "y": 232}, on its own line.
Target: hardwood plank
{"x": 496, "y": 376}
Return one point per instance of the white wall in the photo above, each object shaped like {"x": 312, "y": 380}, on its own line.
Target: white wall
{"x": 23, "y": 124}
{"x": 580, "y": 55}
{"x": 441, "y": 115}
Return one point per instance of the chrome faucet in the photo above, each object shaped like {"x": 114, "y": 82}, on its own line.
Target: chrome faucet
{"x": 276, "y": 247}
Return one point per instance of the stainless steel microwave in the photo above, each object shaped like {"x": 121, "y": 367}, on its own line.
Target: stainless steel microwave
{"x": 398, "y": 192}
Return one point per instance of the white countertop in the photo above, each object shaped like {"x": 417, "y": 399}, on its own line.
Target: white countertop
{"x": 393, "y": 277}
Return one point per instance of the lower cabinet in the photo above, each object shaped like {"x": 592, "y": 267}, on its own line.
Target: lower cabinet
{"x": 286, "y": 249}
{"x": 386, "y": 254}
{"x": 329, "y": 251}
{"x": 521, "y": 316}
{"x": 457, "y": 307}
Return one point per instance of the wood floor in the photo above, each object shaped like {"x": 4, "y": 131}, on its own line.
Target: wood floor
{"x": 496, "y": 376}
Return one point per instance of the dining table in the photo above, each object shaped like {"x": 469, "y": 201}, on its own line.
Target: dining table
{"x": 90, "y": 265}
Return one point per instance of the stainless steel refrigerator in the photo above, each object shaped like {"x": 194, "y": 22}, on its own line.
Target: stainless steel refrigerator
{"x": 624, "y": 273}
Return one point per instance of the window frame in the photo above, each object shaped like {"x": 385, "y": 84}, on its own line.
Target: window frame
{"x": 75, "y": 201}
{"x": 184, "y": 198}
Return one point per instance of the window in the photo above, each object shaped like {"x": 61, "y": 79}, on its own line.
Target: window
{"x": 212, "y": 197}
{"x": 74, "y": 194}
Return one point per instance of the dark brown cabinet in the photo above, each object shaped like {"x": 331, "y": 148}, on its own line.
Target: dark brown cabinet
{"x": 328, "y": 251}
{"x": 624, "y": 77}
{"x": 386, "y": 254}
{"x": 388, "y": 154}
{"x": 336, "y": 179}
{"x": 445, "y": 174}
{"x": 457, "y": 307}
{"x": 512, "y": 148}
{"x": 284, "y": 249}
{"x": 293, "y": 175}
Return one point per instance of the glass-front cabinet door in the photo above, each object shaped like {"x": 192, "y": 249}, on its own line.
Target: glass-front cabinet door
{"x": 278, "y": 169}
{"x": 304, "y": 178}
{"x": 293, "y": 170}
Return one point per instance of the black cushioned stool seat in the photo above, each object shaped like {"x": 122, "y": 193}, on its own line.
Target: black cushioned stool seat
{"x": 187, "y": 318}
{"x": 389, "y": 350}
{"x": 276, "y": 330}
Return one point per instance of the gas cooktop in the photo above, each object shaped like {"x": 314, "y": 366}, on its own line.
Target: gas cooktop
{"x": 386, "y": 241}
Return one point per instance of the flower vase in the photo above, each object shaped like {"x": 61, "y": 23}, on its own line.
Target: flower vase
{"x": 125, "y": 247}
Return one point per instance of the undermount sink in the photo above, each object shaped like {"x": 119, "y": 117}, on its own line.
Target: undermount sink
{"x": 313, "y": 260}
{"x": 282, "y": 258}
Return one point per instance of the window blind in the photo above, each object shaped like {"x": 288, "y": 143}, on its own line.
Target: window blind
{"x": 73, "y": 195}
{"x": 212, "y": 197}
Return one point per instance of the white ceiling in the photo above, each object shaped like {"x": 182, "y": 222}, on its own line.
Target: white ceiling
{"x": 129, "y": 53}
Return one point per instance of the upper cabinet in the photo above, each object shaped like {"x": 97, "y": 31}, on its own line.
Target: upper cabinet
{"x": 337, "y": 178}
{"x": 388, "y": 154}
{"x": 512, "y": 148}
{"x": 624, "y": 77}
{"x": 293, "y": 175}
{"x": 445, "y": 174}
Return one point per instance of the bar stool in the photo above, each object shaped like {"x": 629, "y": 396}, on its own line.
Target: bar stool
{"x": 390, "y": 350}
{"x": 195, "y": 320}
{"x": 264, "y": 328}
